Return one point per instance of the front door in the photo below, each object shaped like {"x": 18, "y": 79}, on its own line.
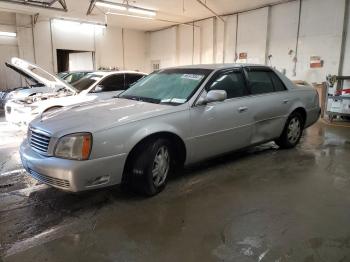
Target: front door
{"x": 225, "y": 126}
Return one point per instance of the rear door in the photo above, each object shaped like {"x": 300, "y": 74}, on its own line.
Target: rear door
{"x": 271, "y": 103}
{"x": 221, "y": 127}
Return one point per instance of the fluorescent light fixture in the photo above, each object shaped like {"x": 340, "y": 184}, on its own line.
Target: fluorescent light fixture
{"x": 9, "y": 34}
{"x": 135, "y": 16}
{"x": 141, "y": 11}
{"x": 76, "y": 25}
{"x": 111, "y": 6}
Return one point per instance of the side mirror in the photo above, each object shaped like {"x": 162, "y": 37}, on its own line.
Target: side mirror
{"x": 213, "y": 96}
{"x": 98, "y": 88}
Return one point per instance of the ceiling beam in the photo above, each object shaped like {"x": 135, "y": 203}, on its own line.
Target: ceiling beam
{"x": 91, "y": 7}
{"x": 211, "y": 10}
{"x": 38, "y": 4}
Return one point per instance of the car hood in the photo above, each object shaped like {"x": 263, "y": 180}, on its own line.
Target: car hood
{"x": 36, "y": 74}
{"x": 95, "y": 116}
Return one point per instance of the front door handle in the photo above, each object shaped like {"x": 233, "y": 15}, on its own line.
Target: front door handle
{"x": 242, "y": 109}
{"x": 285, "y": 101}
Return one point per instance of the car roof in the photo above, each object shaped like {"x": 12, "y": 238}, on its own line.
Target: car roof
{"x": 106, "y": 73}
{"x": 218, "y": 66}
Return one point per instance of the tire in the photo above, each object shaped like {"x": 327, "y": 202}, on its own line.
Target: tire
{"x": 151, "y": 166}
{"x": 292, "y": 131}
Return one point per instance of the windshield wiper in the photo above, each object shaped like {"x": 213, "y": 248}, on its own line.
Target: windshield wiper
{"x": 141, "y": 98}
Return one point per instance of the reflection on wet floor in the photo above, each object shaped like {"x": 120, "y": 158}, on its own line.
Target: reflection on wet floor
{"x": 261, "y": 204}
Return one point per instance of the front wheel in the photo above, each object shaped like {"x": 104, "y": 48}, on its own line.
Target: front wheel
{"x": 151, "y": 167}
{"x": 292, "y": 132}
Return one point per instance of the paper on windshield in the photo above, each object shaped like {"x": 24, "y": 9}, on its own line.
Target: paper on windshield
{"x": 192, "y": 77}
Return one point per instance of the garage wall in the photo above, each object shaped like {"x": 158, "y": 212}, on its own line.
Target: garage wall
{"x": 8, "y": 49}
{"x": 320, "y": 35}
{"x": 230, "y": 38}
{"x": 135, "y": 50}
{"x": 252, "y": 35}
{"x": 162, "y": 47}
{"x": 283, "y": 36}
{"x": 268, "y": 31}
{"x": 346, "y": 67}
{"x": 38, "y": 44}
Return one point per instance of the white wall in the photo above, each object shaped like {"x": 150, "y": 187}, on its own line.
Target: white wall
{"x": 8, "y": 49}
{"x": 320, "y": 35}
{"x": 109, "y": 48}
{"x": 230, "y": 38}
{"x": 252, "y": 34}
{"x": 346, "y": 67}
{"x": 260, "y": 35}
{"x": 206, "y": 41}
{"x": 162, "y": 46}
{"x": 283, "y": 36}
{"x": 135, "y": 50}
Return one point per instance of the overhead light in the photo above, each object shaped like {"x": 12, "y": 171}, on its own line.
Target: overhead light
{"x": 141, "y": 11}
{"x": 73, "y": 25}
{"x": 9, "y": 34}
{"x": 111, "y": 6}
{"x": 135, "y": 16}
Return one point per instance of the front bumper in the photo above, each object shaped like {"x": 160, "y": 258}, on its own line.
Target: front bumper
{"x": 18, "y": 114}
{"x": 72, "y": 175}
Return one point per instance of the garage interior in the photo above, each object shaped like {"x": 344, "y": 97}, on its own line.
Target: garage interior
{"x": 257, "y": 204}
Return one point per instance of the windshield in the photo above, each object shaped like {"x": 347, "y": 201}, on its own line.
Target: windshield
{"x": 171, "y": 86}
{"x": 86, "y": 81}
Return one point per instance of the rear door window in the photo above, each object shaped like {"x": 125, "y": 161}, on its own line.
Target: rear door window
{"x": 260, "y": 82}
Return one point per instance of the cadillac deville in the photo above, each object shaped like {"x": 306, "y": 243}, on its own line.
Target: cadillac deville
{"x": 172, "y": 117}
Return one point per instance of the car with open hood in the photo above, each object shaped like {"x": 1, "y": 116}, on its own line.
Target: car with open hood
{"x": 38, "y": 82}
{"x": 172, "y": 117}
{"x": 91, "y": 87}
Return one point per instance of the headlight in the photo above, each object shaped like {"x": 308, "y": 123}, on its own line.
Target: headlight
{"x": 74, "y": 146}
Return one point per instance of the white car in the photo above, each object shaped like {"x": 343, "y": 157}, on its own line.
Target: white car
{"x": 38, "y": 81}
{"x": 99, "y": 85}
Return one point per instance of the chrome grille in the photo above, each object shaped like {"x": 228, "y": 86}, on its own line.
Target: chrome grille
{"x": 50, "y": 180}
{"x": 39, "y": 141}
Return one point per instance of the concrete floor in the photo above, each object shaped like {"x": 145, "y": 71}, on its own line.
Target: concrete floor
{"x": 263, "y": 204}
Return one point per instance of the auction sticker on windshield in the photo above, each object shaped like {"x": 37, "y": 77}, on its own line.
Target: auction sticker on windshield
{"x": 192, "y": 77}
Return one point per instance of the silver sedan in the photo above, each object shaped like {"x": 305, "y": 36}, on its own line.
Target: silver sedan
{"x": 172, "y": 117}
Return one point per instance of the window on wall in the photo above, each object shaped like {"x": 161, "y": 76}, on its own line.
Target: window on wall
{"x": 232, "y": 82}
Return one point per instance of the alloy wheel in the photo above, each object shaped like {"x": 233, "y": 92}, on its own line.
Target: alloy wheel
{"x": 161, "y": 165}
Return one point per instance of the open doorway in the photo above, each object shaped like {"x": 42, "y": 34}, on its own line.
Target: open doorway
{"x": 73, "y": 60}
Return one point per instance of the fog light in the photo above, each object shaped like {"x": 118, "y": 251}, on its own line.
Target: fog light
{"x": 98, "y": 181}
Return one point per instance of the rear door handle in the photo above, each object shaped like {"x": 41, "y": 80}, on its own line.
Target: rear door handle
{"x": 285, "y": 101}
{"x": 242, "y": 109}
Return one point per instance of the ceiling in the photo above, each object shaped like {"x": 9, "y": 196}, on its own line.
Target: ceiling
{"x": 169, "y": 12}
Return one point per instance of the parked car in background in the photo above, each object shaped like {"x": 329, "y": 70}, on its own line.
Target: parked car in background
{"x": 97, "y": 85}
{"x": 172, "y": 117}
{"x": 73, "y": 76}
{"x": 38, "y": 82}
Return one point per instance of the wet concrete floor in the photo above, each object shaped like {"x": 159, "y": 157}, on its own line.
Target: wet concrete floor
{"x": 262, "y": 204}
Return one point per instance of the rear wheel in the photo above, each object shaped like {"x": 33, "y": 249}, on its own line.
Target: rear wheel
{"x": 151, "y": 167}
{"x": 292, "y": 132}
